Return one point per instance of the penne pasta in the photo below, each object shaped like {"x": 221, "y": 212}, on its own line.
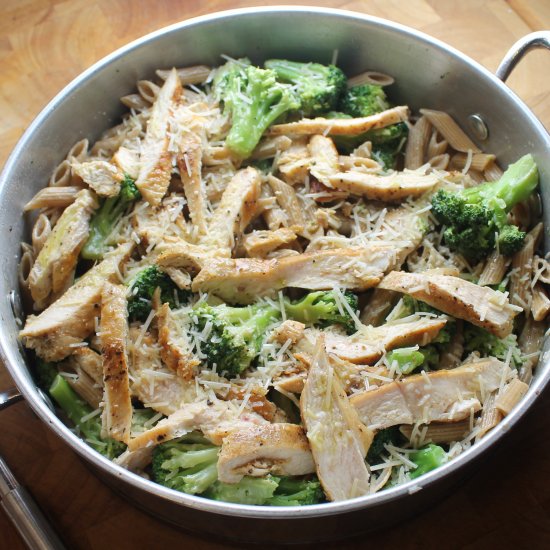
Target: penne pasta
{"x": 417, "y": 143}
{"x": 540, "y": 305}
{"x": 437, "y": 432}
{"x": 197, "y": 74}
{"x": 494, "y": 269}
{"x": 62, "y": 175}
{"x": 53, "y": 197}
{"x": 510, "y": 396}
{"x": 135, "y": 101}
{"x": 148, "y": 90}
{"x": 492, "y": 172}
{"x": 490, "y": 417}
{"x": 371, "y": 77}
{"x": 450, "y": 130}
{"x": 479, "y": 161}
{"x": 530, "y": 342}
{"x": 440, "y": 162}
{"x": 79, "y": 151}
{"x": 436, "y": 145}
{"x": 452, "y": 356}
{"x": 40, "y": 232}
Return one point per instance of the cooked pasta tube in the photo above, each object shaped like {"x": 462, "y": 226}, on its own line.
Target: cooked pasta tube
{"x": 197, "y": 74}
{"x": 490, "y": 416}
{"x": 371, "y": 77}
{"x": 440, "y": 162}
{"x": 62, "y": 175}
{"x": 439, "y": 432}
{"x": 79, "y": 151}
{"x": 492, "y": 172}
{"x": 148, "y": 90}
{"x": 417, "y": 143}
{"x": 86, "y": 388}
{"x": 540, "y": 304}
{"x": 530, "y": 341}
{"x": 53, "y": 197}
{"x": 436, "y": 145}
{"x": 510, "y": 396}
{"x": 494, "y": 269}
{"x": 450, "y": 130}
{"x": 40, "y": 232}
{"x": 478, "y": 161}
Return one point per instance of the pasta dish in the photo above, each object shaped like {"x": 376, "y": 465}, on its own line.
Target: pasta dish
{"x": 270, "y": 285}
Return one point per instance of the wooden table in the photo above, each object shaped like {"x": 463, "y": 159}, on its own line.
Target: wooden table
{"x": 46, "y": 43}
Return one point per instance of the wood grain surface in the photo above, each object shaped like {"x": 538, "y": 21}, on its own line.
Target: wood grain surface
{"x": 44, "y": 44}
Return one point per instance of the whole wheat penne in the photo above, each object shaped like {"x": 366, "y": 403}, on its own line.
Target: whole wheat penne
{"x": 40, "y": 232}
{"x": 417, "y": 143}
{"x": 53, "y": 197}
{"x": 85, "y": 387}
{"x": 62, "y": 175}
{"x": 522, "y": 266}
{"x": 478, "y": 161}
{"x": 135, "y": 101}
{"x": 148, "y": 90}
{"x": 451, "y": 357}
{"x": 540, "y": 304}
{"x": 490, "y": 416}
{"x": 197, "y": 74}
{"x": 476, "y": 176}
{"x": 269, "y": 147}
{"x": 530, "y": 342}
{"x": 510, "y": 396}
{"x": 450, "y": 130}
{"x": 25, "y": 264}
{"x": 492, "y": 172}
{"x": 371, "y": 77}
{"x": 440, "y": 162}
{"x": 494, "y": 269}
{"x": 440, "y": 432}
{"x": 79, "y": 151}
{"x": 437, "y": 145}
{"x": 379, "y": 305}
{"x": 354, "y": 162}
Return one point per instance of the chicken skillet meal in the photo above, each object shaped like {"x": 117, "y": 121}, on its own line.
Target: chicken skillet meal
{"x": 272, "y": 286}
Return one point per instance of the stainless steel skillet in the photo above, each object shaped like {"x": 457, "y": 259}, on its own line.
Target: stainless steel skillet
{"x": 428, "y": 74}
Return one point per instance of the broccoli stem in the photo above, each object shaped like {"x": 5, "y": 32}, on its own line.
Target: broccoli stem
{"x": 426, "y": 459}
{"x": 76, "y": 409}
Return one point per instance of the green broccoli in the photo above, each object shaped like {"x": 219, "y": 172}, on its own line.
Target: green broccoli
{"x": 106, "y": 219}
{"x": 364, "y": 100}
{"x": 254, "y": 99}
{"x": 426, "y": 459}
{"x": 235, "y": 334}
{"x": 294, "y": 491}
{"x": 188, "y": 467}
{"x": 142, "y": 288}
{"x": 388, "y": 436}
{"x": 189, "y": 464}
{"x": 323, "y": 308}
{"x": 489, "y": 345}
{"x": 319, "y": 87}
{"x": 90, "y": 429}
{"x": 473, "y": 216}
{"x": 407, "y": 359}
{"x": 44, "y": 373}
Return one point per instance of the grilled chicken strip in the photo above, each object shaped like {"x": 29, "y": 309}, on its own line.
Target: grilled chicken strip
{"x": 216, "y": 421}
{"x": 479, "y": 305}
{"x": 395, "y": 187}
{"x": 117, "y": 411}
{"x": 102, "y": 176}
{"x": 155, "y": 160}
{"x": 54, "y": 333}
{"x": 260, "y": 243}
{"x": 338, "y": 439}
{"x": 368, "y": 344}
{"x": 243, "y": 280}
{"x": 155, "y": 385}
{"x": 324, "y": 159}
{"x": 189, "y": 161}
{"x": 53, "y": 270}
{"x": 281, "y": 449}
{"x": 236, "y": 209}
{"x": 342, "y": 126}
{"x": 440, "y": 396}
{"x": 176, "y": 349}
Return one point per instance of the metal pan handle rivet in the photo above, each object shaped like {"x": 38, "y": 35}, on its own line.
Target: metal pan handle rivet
{"x": 478, "y": 127}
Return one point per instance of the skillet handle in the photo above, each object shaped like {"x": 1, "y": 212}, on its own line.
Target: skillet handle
{"x": 517, "y": 52}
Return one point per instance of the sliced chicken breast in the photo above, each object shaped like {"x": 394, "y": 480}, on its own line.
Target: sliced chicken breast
{"x": 117, "y": 408}
{"x": 53, "y": 270}
{"x": 338, "y": 439}
{"x": 243, "y": 280}
{"x": 260, "y": 243}
{"x": 341, "y": 126}
{"x": 441, "y": 396}
{"x": 156, "y": 160}
{"x": 280, "y": 449}
{"x": 395, "y": 187}
{"x": 479, "y": 305}
{"x": 57, "y": 330}
{"x": 324, "y": 159}
{"x": 102, "y": 176}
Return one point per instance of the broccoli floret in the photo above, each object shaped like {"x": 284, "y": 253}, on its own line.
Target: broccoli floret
{"x": 390, "y": 436}
{"x": 250, "y": 490}
{"x": 489, "y": 345}
{"x": 323, "y": 308}
{"x": 44, "y": 374}
{"x": 364, "y": 100}
{"x": 407, "y": 359}
{"x": 319, "y": 87}
{"x": 235, "y": 334}
{"x": 473, "y": 216}
{"x": 254, "y": 99}
{"x": 294, "y": 491}
{"x": 188, "y": 467}
{"x": 426, "y": 459}
{"x": 107, "y": 217}
{"x": 142, "y": 288}
{"x": 90, "y": 429}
